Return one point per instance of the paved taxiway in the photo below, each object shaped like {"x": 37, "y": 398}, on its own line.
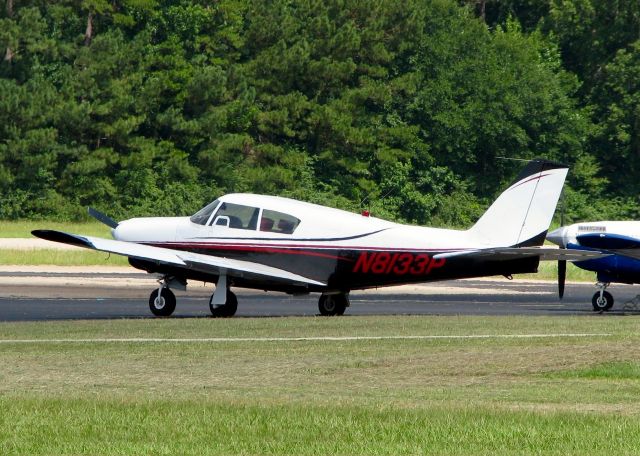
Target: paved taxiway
{"x": 37, "y": 295}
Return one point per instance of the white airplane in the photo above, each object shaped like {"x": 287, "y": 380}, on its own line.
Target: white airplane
{"x": 620, "y": 239}
{"x": 279, "y": 244}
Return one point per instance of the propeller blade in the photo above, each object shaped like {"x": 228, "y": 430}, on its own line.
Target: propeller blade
{"x": 562, "y": 276}
{"x": 99, "y": 216}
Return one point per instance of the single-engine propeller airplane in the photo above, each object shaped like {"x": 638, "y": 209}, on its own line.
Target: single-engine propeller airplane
{"x": 280, "y": 244}
{"x": 620, "y": 239}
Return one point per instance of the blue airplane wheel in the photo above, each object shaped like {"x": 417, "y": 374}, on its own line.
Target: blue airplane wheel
{"x": 228, "y": 309}
{"x": 602, "y": 304}
{"x": 330, "y": 305}
{"x": 163, "y": 305}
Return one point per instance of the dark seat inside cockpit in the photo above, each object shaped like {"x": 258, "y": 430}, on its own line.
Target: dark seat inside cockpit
{"x": 235, "y": 222}
{"x": 266, "y": 224}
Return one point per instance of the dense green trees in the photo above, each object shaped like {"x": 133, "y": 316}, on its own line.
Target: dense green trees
{"x": 156, "y": 106}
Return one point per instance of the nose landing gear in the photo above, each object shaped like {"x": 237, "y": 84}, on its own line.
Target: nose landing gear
{"x": 162, "y": 302}
{"x": 602, "y": 300}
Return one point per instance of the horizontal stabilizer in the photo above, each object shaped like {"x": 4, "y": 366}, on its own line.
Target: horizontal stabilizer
{"x": 510, "y": 253}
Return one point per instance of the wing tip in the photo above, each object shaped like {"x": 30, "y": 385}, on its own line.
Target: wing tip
{"x": 62, "y": 237}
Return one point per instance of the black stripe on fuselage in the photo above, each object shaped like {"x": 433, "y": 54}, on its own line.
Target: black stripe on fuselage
{"x": 289, "y": 239}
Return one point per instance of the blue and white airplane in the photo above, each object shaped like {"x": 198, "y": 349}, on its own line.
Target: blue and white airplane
{"x": 620, "y": 239}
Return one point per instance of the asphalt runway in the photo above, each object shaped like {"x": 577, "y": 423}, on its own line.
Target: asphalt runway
{"x": 63, "y": 296}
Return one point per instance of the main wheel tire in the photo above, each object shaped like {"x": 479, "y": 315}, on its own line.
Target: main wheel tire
{"x": 163, "y": 305}
{"x": 228, "y": 309}
{"x": 330, "y": 305}
{"x": 602, "y": 304}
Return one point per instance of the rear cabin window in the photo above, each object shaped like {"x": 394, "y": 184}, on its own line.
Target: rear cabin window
{"x": 237, "y": 216}
{"x": 277, "y": 222}
{"x": 202, "y": 216}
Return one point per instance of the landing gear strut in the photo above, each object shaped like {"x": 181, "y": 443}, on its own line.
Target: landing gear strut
{"x": 223, "y": 302}
{"x": 228, "y": 309}
{"x": 333, "y": 304}
{"x": 602, "y": 300}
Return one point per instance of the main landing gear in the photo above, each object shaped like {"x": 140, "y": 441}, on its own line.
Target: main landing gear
{"x": 331, "y": 304}
{"x": 602, "y": 300}
{"x": 224, "y": 303}
{"x": 228, "y": 309}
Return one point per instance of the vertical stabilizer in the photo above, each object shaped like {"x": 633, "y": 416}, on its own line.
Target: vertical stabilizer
{"x": 522, "y": 213}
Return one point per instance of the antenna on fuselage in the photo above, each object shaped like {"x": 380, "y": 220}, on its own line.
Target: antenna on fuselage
{"x": 514, "y": 159}
{"x": 367, "y": 212}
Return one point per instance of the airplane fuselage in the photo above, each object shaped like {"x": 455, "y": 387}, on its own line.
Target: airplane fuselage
{"x": 613, "y": 268}
{"x": 341, "y": 249}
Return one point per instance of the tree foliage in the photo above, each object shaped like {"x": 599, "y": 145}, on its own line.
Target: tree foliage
{"x": 407, "y": 108}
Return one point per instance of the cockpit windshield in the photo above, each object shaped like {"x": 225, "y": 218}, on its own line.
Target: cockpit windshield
{"x": 202, "y": 216}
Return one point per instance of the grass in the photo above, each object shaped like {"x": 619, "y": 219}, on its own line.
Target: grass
{"x": 613, "y": 369}
{"x": 23, "y": 228}
{"x": 548, "y": 270}
{"x": 437, "y": 396}
{"x": 34, "y": 257}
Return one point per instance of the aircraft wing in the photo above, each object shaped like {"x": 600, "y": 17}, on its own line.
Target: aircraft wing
{"x": 511, "y": 253}
{"x": 188, "y": 260}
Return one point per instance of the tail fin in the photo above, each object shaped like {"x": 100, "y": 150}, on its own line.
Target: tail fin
{"x": 522, "y": 213}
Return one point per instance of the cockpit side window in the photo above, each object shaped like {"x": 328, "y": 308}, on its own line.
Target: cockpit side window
{"x": 277, "y": 222}
{"x": 202, "y": 216}
{"x": 237, "y": 216}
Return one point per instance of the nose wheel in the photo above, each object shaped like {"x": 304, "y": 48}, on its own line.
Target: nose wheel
{"x": 602, "y": 300}
{"x": 162, "y": 302}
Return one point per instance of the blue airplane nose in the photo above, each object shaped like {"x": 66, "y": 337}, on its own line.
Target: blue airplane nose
{"x": 558, "y": 236}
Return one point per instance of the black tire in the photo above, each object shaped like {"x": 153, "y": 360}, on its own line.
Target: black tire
{"x": 164, "y": 305}
{"x": 228, "y": 309}
{"x": 331, "y": 305}
{"x": 604, "y": 304}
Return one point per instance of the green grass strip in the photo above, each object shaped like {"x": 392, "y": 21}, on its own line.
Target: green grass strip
{"x": 107, "y": 427}
{"x": 23, "y": 228}
{"x": 35, "y": 257}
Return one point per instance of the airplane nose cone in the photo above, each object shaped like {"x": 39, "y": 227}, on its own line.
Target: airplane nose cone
{"x": 120, "y": 232}
{"x": 558, "y": 236}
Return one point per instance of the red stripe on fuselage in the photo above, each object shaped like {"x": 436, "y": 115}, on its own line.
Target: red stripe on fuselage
{"x": 222, "y": 245}
{"x": 245, "y": 248}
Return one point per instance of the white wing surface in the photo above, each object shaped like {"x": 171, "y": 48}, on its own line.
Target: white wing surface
{"x": 188, "y": 260}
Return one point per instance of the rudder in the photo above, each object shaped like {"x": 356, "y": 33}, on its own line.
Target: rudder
{"x": 521, "y": 215}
